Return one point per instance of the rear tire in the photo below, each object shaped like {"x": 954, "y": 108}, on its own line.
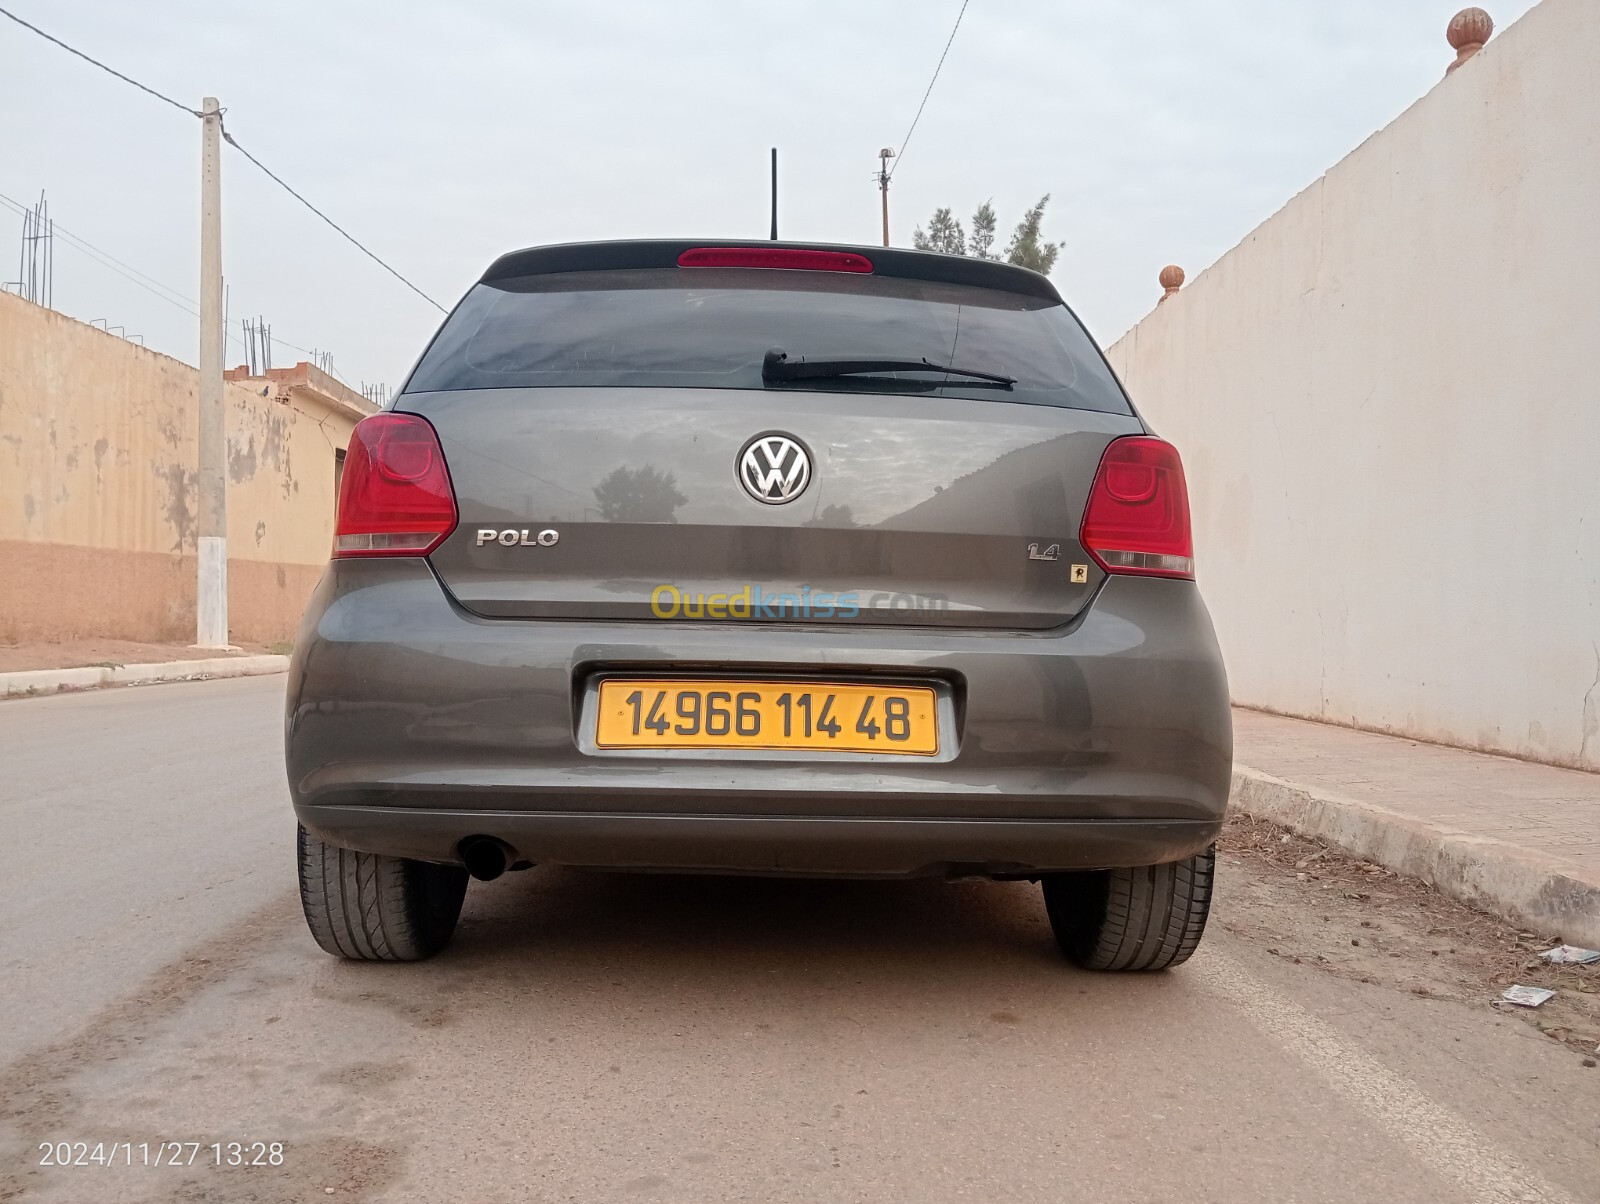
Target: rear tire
{"x": 1149, "y": 917}
{"x": 368, "y": 907}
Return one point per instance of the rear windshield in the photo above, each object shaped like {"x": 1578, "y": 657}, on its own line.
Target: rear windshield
{"x": 710, "y": 327}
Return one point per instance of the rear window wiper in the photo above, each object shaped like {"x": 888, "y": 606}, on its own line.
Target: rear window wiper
{"x": 777, "y": 366}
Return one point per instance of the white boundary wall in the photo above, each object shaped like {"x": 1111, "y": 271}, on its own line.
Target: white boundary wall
{"x": 1387, "y": 398}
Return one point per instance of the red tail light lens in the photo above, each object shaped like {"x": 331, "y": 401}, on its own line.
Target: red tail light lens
{"x": 1137, "y": 520}
{"x": 395, "y": 498}
{"x": 774, "y": 257}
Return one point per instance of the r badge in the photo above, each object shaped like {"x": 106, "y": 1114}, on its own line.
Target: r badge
{"x": 1080, "y": 574}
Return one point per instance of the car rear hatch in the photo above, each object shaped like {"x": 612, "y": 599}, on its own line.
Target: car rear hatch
{"x": 621, "y": 445}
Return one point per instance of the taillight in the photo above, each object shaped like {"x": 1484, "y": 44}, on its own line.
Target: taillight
{"x": 395, "y": 498}
{"x": 1137, "y": 519}
{"x": 774, "y": 257}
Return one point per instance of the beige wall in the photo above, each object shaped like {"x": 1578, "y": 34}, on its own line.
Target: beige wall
{"x": 1387, "y": 404}
{"x": 97, "y": 493}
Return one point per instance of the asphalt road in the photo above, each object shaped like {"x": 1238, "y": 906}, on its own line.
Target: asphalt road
{"x": 595, "y": 1037}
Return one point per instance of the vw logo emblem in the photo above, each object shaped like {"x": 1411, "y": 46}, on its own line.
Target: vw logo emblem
{"x": 774, "y": 468}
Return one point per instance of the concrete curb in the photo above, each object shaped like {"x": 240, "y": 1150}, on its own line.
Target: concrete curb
{"x": 34, "y": 683}
{"x": 1553, "y": 897}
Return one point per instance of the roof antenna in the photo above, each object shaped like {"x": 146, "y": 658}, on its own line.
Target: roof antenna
{"x": 774, "y": 194}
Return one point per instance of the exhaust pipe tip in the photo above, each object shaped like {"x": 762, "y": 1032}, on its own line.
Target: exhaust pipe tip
{"x": 484, "y": 856}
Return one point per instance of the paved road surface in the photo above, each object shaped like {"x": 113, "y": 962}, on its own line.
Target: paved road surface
{"x": 595, "y": 1037}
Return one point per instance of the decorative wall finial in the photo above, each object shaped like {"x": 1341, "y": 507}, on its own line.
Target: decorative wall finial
{"x": 1171, "y": 280}
{"x": 1468, "y": 30}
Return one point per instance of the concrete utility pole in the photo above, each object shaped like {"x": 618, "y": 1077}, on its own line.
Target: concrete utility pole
{"x": 211, "y": 585}
{"x": 884, "y": 156}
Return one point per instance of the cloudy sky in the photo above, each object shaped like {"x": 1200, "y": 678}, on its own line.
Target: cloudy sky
{"x": 441, "y": 135}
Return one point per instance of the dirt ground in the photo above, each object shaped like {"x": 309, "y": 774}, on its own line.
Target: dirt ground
{"x": 614, "y": 1037}
{"x": 1314, "y": 905}
{"x": 73, "y": 654}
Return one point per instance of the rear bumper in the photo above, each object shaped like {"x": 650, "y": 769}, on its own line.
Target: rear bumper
{"x": 412, "y": 725}
{"x": 767, "y": 844}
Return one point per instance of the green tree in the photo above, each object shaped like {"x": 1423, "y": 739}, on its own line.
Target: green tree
{"x": 944, "y": 234}
{"x": 1027, "y": 247}
{"x": 983, "y": 222}
{"x": 639, "y": 495}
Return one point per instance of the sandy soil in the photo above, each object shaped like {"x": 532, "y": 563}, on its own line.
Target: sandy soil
{"x": 74, "y": 654}
{"x": 1313, "y": 905}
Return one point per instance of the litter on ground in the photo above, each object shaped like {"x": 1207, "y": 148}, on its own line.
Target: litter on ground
{"x": 1526, "y": 997}
{"x": 1571, "y": 955}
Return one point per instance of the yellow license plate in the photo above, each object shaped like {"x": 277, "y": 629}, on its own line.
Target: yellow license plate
{"x": 766, "y": 714}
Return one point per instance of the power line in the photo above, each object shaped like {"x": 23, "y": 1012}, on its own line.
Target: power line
{"x": 901, "y": 158}
{"x": 149, "y": 283}
{"x": 231, "y": 142}
{"x": 229, "y": 139}
{"x": 112, "y": 262}
{"x": 125, "y": 79}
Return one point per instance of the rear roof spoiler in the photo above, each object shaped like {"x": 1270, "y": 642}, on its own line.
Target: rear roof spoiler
{"x": 663, "y": 253}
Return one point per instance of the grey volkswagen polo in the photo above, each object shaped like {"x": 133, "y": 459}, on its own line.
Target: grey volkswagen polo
{"x": 760, "y": 558}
